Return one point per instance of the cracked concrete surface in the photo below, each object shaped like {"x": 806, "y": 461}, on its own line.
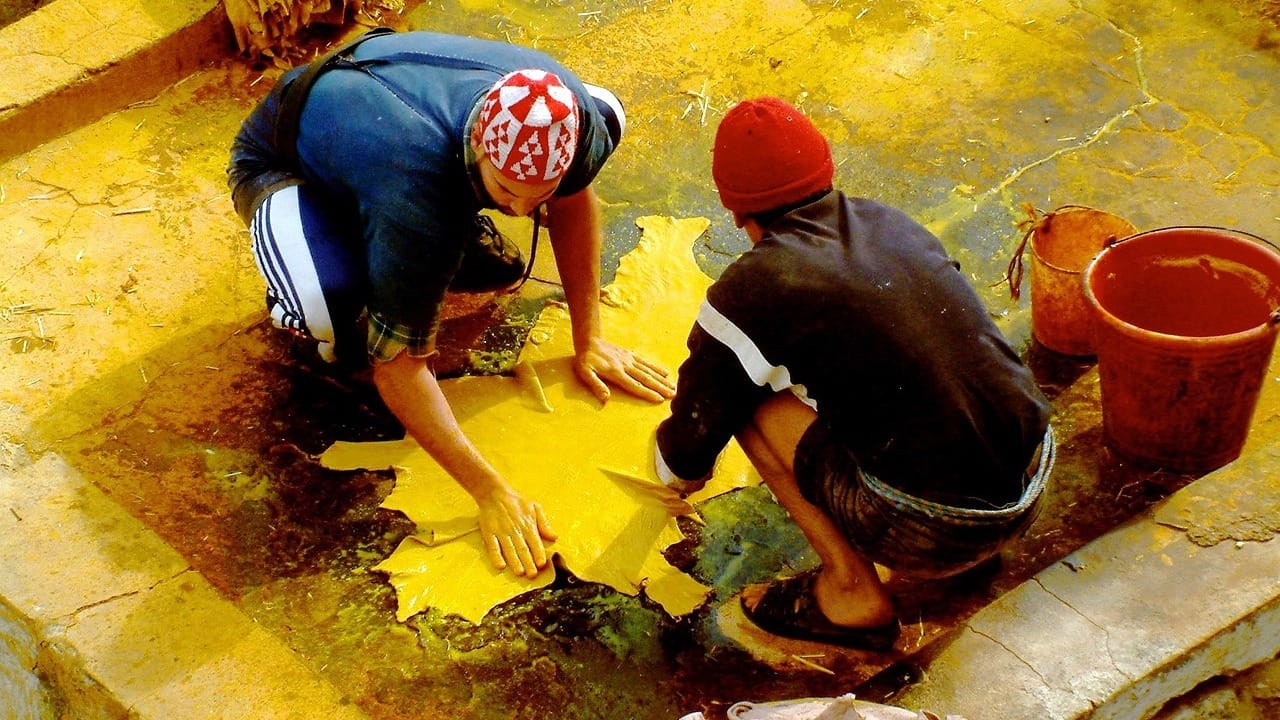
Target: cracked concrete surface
{"x": 1107, "y": 632}
{"x": 164, "y": 530}
{"x": 57, "y": 56}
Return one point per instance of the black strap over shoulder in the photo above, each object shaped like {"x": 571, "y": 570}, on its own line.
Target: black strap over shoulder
{"x": 294, "y": 95}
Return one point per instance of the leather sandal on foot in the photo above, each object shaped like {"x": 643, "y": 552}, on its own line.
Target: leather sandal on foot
{"x": 789, "y": 608}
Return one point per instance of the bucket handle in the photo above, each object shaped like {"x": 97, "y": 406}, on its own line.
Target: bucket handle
{"x": 1274, "y": 319}
{"x": 1035, "y": 220}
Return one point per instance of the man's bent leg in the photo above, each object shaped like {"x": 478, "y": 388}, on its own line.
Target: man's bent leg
{"x": 315, "y": 284}
{"x": 848, "y": 590}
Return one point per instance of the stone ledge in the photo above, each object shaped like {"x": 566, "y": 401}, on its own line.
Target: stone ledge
{"x": 119, "y": 637}
{"x": 67, "y": 65}
{"x": 1135, "y": 618}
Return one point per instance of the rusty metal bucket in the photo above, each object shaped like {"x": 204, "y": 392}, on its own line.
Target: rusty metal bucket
{"x": 1063, "y": 242}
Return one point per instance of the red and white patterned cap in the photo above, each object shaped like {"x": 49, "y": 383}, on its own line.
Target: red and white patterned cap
{"x": 529, "y": 126}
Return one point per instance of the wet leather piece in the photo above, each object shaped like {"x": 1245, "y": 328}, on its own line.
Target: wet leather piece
{"x": 551, "y": 439}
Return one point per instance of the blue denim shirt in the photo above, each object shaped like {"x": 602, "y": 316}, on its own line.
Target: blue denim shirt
{"x": 386, "y": 137}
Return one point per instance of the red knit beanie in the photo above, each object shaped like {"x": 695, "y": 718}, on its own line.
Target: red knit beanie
{"x": 768, "y": 155}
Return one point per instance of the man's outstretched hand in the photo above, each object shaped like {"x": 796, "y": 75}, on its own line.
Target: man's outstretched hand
{"x": 604, "y": 363}
{"x": 514, "y": 530}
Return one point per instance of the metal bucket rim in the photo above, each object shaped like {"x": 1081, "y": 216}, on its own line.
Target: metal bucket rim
{"x": 1062, "y": 209}
{"x": 1035, "y": 253}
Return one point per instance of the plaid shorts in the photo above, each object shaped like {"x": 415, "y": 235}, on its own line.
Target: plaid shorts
{"x": 911, "y": 535}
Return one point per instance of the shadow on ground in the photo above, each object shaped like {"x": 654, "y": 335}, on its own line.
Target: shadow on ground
{"x": 219, "y": 458}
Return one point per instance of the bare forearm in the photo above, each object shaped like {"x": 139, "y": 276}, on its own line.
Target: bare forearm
{"x": 512, "y": 528}
{"x": 411, "y": 392}
{"x": 576, "y": 238}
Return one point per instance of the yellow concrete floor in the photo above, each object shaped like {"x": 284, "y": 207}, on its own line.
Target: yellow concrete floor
{"x": 163, "y": 517}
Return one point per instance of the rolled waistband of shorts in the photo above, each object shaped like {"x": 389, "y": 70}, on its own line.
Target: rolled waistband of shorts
{"x": 1037, "y": 475}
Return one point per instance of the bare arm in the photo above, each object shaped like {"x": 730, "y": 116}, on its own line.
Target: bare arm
{"x": 576, "y": 239}
{"x": 512, "y": 527}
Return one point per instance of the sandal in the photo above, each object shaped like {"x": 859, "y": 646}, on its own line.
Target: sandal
{"x": 789, "y": 609}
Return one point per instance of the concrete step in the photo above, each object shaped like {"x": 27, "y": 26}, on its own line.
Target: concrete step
{"x": 70, "y": 63}
{"x": 119, "y": 626}
{"x": 1138, "y": 617}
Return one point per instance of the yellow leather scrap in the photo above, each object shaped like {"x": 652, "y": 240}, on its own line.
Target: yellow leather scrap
{"x": 587, "y": 465}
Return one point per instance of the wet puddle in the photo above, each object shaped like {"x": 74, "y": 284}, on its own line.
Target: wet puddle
{"x": 229, "y": 477}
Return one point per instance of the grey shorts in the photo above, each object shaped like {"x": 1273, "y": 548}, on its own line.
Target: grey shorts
{"x": 911, "y": 535}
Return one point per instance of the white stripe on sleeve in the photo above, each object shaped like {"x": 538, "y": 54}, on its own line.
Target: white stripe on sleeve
{"x": 753, "y": 362}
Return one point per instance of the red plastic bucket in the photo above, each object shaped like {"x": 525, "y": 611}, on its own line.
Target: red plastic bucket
{"x": 1185, "y": 320}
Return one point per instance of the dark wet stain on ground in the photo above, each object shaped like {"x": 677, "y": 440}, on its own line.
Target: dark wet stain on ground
{"x": 11, "y": 11}
{"x": 242, "y": 496}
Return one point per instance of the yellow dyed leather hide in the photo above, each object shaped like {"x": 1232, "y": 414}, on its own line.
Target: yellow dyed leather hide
{"x": 589, "y": 466}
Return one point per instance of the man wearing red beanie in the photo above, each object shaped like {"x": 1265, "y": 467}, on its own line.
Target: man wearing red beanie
{"x": 864, "y": 379}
